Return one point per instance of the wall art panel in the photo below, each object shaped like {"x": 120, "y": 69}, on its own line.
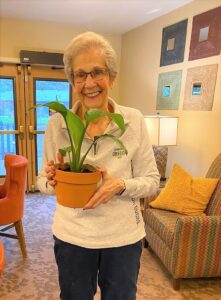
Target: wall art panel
{"x": 173, "y": 43}
{"x": 200, "y": 88}
{"x": 206, "y": 34}
{"x": 168, "y": 91}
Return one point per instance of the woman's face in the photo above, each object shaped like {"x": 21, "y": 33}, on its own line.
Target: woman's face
{"x": 93, "y": 92}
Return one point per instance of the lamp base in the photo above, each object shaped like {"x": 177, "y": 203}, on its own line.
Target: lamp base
{"x": 161, "y": 153}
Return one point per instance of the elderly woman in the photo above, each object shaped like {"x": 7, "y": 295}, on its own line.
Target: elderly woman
{"x": 101, "y": 243}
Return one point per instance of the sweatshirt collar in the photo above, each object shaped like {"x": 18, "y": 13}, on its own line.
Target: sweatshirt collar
{"x": 116, "y": 109}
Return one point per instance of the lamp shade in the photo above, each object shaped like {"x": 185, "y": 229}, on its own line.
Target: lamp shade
{"x": 162, "y": 129}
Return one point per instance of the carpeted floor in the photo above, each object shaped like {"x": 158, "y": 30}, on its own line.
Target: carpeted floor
{"x": 36, "y": 277}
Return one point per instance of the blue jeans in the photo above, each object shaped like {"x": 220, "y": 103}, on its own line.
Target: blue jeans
{"x": 115, "y": 270}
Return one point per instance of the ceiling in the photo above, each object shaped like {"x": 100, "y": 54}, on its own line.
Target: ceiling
{"x": 107, "y": 16}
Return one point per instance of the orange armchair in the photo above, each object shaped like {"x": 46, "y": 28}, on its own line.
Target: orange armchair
{"x": 12, "y": 194}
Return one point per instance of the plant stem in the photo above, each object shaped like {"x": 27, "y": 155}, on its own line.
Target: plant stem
{"x": 84, "y": 156}
{"x": 72, "y": 163}
{"x": 69, "y": 157}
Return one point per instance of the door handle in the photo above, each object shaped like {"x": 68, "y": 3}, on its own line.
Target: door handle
{"x": 21, "y": 132}
{"x": 32, "y": 132}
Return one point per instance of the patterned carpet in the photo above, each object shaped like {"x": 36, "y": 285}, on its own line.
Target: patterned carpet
{"x": 36, "y": 277}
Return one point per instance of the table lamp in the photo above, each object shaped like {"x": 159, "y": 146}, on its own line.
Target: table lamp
{"x": 163, "y": 133}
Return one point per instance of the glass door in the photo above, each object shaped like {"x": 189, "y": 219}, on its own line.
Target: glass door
{"x": 21, "y": 130}
{"x": 42, "y": 85}
{"x": 12, "y": 116}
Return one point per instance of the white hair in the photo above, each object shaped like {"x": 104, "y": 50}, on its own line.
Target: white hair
{"x": 85, "y": 41}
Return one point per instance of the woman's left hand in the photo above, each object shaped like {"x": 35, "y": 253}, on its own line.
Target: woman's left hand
{"x": 110, "y": 187}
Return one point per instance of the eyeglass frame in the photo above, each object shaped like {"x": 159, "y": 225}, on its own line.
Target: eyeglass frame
{"x": 105, "y": 71}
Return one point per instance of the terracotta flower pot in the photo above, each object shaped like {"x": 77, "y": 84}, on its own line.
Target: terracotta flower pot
{"x": 75, "y": 189}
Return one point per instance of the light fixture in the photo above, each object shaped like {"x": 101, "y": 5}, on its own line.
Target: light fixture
{"x": 163, "y": 133}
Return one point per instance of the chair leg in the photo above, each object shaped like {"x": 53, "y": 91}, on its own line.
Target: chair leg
{"x": 176, "y": 283}
{"x": 20, "y": 233}
{"x": 145, "y": 243}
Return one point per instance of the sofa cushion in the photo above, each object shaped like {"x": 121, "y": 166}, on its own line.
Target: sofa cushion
{"x": 163, "y": 223}
{"x": 185, "y": 194}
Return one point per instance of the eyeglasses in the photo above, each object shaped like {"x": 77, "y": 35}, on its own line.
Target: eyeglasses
{"x": 97, "y": 74}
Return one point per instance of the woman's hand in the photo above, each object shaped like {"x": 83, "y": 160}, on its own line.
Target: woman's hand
{"x": 109, "y": 188}
{"x": 50, "y": 173}
{"x": 51, "y": 169}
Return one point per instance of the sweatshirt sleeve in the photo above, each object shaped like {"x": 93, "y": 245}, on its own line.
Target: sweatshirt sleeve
{"x": 146, "y": 178}
{"x": 49, "y": 153}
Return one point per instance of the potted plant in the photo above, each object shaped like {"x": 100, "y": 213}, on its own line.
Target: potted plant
{"x": 77, "y": 182}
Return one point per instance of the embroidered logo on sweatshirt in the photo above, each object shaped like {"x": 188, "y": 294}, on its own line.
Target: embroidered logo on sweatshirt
{"x": 118, "y": 152}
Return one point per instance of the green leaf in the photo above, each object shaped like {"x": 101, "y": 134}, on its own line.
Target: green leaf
{"x": 118, "y": 119}
{"x": 117, "y": 141}
{"x": 64, "y": 151}
{"x": 94, "y": 113}
{"x": 75, "y": 126}
{"x": 55, "y": 105}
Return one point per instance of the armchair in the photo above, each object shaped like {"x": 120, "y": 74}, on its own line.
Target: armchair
{"x": 12, "y": 194}
{"x": 188, "y": 246}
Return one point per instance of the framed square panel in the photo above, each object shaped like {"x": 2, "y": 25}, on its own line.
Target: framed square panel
{"x": 206, "y": 34}
{"x": 173, "y": 43}
{"x": 200, "y": 88}
{"x": 168, "y": 91}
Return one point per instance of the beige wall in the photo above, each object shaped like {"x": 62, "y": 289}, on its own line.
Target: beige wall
{"x": 16, "y": 35}
{"x": 199, "y": 133}
{"x": 199, "y": 137}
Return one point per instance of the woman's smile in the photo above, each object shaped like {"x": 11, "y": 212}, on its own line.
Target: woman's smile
{"x": 92, "y": 94}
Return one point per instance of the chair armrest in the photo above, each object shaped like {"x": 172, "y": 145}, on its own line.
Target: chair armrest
{"x": 196, "y": 247}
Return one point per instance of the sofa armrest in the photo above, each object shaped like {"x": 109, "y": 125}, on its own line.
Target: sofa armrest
{"x": 144, "y": 204}
{"x": 146, "y": 201}
{"x": 196, "y": 247}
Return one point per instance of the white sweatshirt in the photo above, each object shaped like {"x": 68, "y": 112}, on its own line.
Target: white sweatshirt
{"x": 118, "y": 222}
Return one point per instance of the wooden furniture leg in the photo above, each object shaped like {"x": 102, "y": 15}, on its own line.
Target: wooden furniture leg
{"x": 20, "y": 233}
{"x": 176, "y": 283}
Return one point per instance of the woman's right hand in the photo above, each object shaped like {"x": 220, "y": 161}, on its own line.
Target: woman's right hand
{"x": 50, "y": 173}
{"x": 51, "y": 169}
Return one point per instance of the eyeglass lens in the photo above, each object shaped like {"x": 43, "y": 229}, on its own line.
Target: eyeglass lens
{"x": 96, "y": 74}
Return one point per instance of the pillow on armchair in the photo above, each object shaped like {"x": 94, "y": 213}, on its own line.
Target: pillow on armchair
{"x": 185, "y": 194}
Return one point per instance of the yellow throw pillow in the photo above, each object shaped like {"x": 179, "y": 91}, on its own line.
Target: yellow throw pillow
{"x": 185, "y": 194}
